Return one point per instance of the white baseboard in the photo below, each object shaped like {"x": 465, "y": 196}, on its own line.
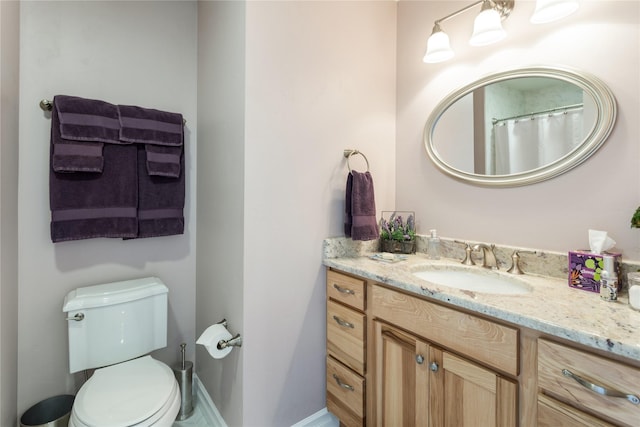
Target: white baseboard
{"x": 209, "y": 410}
{"x": 322, "y": 418}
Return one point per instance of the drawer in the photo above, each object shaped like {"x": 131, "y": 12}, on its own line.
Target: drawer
{"x": 346, "y": 335}
{"x": 345, "y": 393}
{"x": 346, "y": 289}
{"x": 488, "y": 342}
{"x": 552, "y": 413}
{"x": 553, "y": 358}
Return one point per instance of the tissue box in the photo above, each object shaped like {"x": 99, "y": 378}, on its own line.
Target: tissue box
{"x": 585, "y": 268}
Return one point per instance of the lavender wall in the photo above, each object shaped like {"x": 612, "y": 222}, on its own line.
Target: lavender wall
{"x": 9, "y": 54}
{"x": 140, "y": 53}
{"x": 602, "y": 38}
{"x": 319, "y": 77}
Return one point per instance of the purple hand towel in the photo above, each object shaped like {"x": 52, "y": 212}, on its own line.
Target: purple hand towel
{"x": 162, "y": 134}
{"x": 348, "y": 218}
{"x": 87, "y": 205}
{"x": 83, "y": 126}
{"x": 363, "y": 207}
{"x": 160, "y": 201}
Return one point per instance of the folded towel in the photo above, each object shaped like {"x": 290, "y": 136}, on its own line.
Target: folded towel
{"x": 84, "y": 124}
{"x": 160, "y": 131}
{"x": 87, "y": 119}
{"x": 363, "y": 207}
{"x": 149, "y": 126}
{"x": 160, "y": 201}
{"x": 163, "y": 161}
{"x": 87, "y": 205}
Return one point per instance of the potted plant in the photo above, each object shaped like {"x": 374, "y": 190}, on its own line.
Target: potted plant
{"x": 635, "y": 219}
{"x": 398, "y": 235}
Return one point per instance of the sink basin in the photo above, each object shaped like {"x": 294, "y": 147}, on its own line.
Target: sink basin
{"x": 475, "y": 280}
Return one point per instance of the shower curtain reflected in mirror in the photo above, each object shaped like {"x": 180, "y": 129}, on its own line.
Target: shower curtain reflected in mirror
{"x": 534, "y": 141}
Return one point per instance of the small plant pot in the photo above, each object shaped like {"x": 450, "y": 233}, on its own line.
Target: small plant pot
{"x": 397, "y": 247}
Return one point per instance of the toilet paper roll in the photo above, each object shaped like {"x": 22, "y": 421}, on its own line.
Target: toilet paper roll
{"x": 211, "y": 337}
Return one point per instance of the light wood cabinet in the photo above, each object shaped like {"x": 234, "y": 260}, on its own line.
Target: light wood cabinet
{"x": 576, "y": 384}
{"x": 397, "y": 359}
{"x": 346, "y": 343}
{"x": 402, "y": 378}
{"x": 419, "y": 384}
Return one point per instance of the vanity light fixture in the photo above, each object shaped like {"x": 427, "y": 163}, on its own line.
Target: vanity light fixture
{"x": 487, "y": 27}
{"x": 552, "y": 10}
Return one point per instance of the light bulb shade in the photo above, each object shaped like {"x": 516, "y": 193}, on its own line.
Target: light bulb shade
{"x": 552, "y": 10}
{"x": 438, "y": 48}
{"x": 487, "y": 28}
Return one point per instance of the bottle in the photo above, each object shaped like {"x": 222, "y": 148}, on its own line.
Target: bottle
{"x": 433, "y": 245}
{"x": 609, "y": 279}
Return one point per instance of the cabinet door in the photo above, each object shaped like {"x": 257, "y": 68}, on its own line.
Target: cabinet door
{"x": 474, "y": 396}
{"x": 402, "y": 380}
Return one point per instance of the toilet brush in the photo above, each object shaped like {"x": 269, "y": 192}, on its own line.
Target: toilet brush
{"x": 184, "y": 373}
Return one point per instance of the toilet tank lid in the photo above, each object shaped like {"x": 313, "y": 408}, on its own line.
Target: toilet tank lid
{"x": 113, "y": 293}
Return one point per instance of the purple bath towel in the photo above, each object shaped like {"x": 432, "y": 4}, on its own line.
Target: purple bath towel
{"x": 160, "y": 200}
{"x": 364, "y": 225}
{"x": 162, "y": 134}
{"x": 85, "y": 205}
{"x": 85, "y": 124}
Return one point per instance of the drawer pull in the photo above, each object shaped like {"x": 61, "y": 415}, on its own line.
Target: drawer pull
{"x": 343, "y": 385}
{"x": 343, "y": 322}
{"x": 600, "y": 389}
{"x": 343, "y": 290}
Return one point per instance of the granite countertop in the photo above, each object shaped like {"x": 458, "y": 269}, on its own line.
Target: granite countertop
{"x": 551, "y": 307}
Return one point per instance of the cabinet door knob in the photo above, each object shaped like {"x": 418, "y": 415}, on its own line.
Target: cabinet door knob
{"x": 434, "y": 367}
{"x": 419, "y": 359}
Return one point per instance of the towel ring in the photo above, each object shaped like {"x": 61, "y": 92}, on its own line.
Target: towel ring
{"x": 348, "y": 153}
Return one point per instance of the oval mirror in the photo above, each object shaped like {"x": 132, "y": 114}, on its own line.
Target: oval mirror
{"x": 520, "y": 127}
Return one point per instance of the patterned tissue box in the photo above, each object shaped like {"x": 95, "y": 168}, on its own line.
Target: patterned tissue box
{"x": 585, "y": 269}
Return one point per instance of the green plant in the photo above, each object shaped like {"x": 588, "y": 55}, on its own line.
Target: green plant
{"x": 635, "y": 219}
{"x": 395, "y": 228}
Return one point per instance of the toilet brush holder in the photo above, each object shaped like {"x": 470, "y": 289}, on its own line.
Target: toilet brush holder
{"x": 184, "y": 375}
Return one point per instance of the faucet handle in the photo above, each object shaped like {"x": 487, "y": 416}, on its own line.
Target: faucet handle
{"x": 467, "y": 256}
{"x": 515, "y": 261}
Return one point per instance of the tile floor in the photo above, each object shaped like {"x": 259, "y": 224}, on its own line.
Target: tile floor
{"x": 198, "y": 419}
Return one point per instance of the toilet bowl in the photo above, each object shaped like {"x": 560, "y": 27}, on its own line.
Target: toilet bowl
{"x": 141, "y": 392}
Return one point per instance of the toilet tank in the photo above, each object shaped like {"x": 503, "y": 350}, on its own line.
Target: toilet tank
{"x": 116, "y": 322}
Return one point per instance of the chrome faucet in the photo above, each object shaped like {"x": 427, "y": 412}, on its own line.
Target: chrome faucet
{"x": 488, "y": 256}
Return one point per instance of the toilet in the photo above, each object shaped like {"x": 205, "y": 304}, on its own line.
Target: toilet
{"x": 112, "y": 328}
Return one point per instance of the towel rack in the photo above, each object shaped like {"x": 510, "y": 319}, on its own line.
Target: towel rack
{"x": 47, "y": 105}
{"x": 348, "y": 153}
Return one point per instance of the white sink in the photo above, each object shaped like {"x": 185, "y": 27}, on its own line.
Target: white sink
{"x": 475, "y": 280}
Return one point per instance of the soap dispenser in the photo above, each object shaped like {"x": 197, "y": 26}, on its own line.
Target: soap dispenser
{"x": 433, "y": 245}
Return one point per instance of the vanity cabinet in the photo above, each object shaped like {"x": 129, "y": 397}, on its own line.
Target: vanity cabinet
{"x": 397, "y": 358}
{"x": 419, "y": 383}
{"x": 566, "y": 377}
{"x": 346, "y": 344}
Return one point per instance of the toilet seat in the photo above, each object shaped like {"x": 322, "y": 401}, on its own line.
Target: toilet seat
{"x": 141, "y": 392}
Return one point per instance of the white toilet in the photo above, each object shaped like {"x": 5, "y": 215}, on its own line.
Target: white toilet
{"x": 110, "y": 327}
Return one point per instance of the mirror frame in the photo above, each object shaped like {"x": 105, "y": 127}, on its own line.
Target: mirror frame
{"x": 605, "y": 119}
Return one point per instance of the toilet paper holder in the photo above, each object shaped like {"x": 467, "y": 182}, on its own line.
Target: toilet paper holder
{"x": 232, "y": 342}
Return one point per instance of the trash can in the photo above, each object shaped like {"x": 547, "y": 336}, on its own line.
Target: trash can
{"x": 51, "y": 412}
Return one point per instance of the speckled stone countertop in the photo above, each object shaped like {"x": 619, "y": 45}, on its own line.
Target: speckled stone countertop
{"x": 551, "y": 307}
